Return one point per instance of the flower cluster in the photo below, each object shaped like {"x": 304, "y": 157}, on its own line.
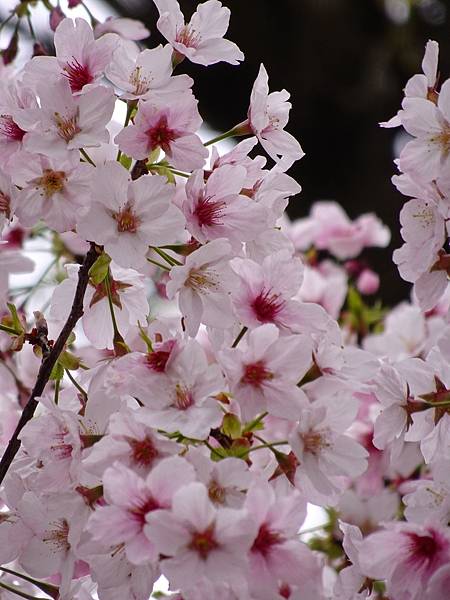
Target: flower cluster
{"x": 202, "y": 368}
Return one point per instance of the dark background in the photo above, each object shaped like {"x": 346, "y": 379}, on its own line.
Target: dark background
{"x": 345, "y": 63}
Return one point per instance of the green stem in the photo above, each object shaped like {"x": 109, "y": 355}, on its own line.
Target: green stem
{"x": 219, "y": 138}
{"x": 7, "y": 20}
{"x": 76, "y": 384}
{"x": 86, "y": 156}
{"x": 213, "y": 450}
{"x": 239, "y": 337}
{"x": 30, "y": 25}
{"x": 111, "y": 307}
{"x": 269, "y": 445}
{"x": 14, "y": 590}
{"x": 38, "y": 282}
{"x": 158, "y": 264}
{"x": 94, "y": 21}
{"x": 180, "y": 173}
{"x": 313, "y": 529}
{"x": 47, "y": 588}
{"x": 9, "y": 330}
{"x": 57, "y": 385}
{"x": 252, "y": 424}
{"x": 169, "y": 259}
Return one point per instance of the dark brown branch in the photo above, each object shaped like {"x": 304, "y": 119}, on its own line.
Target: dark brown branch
{"x": 49, "y": 360}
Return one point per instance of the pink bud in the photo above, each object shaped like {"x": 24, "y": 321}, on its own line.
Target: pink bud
{"x": 73, "y": 3}
{"x": 368, "y": 282}
{"x": 56, "y": 16}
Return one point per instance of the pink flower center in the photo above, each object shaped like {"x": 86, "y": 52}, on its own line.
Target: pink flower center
{"x": 267, "y": 305}
{"x": 428, "y": 551}
{"x": 10, "y": 129}
{"x": 285, "y": 591}
{"x": 255, "y": 374}
{"x": 188, "y": 37}
{"x": 143, "y": 451}
{"x": 67, "y": 126}
{"x": 77, "y": 74}
{"x": 160, "y": 135}
{"x": 127, "y": 221}
{"x": 157, "y": 360}
{"x": 183, "y": 398}
{"x": 203, "y": 542}
{"x": 265, "y": 540}
{"x": 209, "y": 213}
{"x": 138, "y": 513}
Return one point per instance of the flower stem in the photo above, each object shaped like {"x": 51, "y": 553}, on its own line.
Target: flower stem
{"x": 87, "y": 157}
{"x": 77, "y": 385}
{"x": 239, "y": 337}
{"x": 9, "y": 330}
{"x": 169, "y": 259}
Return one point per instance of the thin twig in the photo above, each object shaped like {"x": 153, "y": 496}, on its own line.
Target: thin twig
{"x": 49, "y": 360}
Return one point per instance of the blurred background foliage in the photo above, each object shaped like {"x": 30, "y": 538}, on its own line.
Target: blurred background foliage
{"x": 345, "y": 63}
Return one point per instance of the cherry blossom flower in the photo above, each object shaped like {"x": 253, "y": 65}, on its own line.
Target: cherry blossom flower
{"x": 187, "y": 404}
{"x": 406, "y": 555}
{"x": 216, "y": 209}
{"x": 65, "y": 122}
{"x": 79, "y": 57}
{"x": 203, "y": 283}
{"x": 129, "y": 216}
{"x": 51, "y": 189}
{"x": 170, "y": 127}
{"x": 128, "y": 298}
{"x": 324, "y": 451}
{"x": 128, "y": 29}
{"x": 268, "y": 115}
{"x": 147, "y": 74}
{"x": 265, "y": 291}
{"x": 264, "y": 374}
{"x": 200, "y": 40}
{"x": 130, "y": 500}
{"x": 276, "y": 553}
{"x": 427, "y": 154}
{"x": 200, "y": 539}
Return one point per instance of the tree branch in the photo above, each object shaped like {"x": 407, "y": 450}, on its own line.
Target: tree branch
{"x": 49, "y": 360}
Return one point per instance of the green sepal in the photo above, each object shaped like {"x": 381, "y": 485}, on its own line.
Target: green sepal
{"x": 100, "y": 269}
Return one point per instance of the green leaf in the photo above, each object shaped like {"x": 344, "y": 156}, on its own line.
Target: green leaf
{"x": 16, "y": 322}
{"x": 57, "y": 372}
{"x": 99, "y": 269}
{"x": 69, "y": 361}
{"x": 231, "y": 426}
{"x": 125, "y": 161}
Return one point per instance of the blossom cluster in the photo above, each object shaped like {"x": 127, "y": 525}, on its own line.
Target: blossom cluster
{"x": 229, "y": 367}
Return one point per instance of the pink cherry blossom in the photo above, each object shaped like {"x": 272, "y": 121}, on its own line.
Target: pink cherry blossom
{"x": 406, "y": 555}
{"x": 129, "y": 216}
{"x": 264, "y": 372}
{"x": 268, "y": 115}
{"x": 79, "y": 57}
{"x": 200, "y": 539}
{"x": 65, "y": 122}
{"x": 216, "y": 209}
{"x": 57, "y": 191}
{"x": 324, "y": 451}
{"x": 146, "y": 74}
{"x": 170, "y": 127}
{"x": 203, "y": 283}
{"x": 130, "y": 499}
{"x": 200, "y": 40}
